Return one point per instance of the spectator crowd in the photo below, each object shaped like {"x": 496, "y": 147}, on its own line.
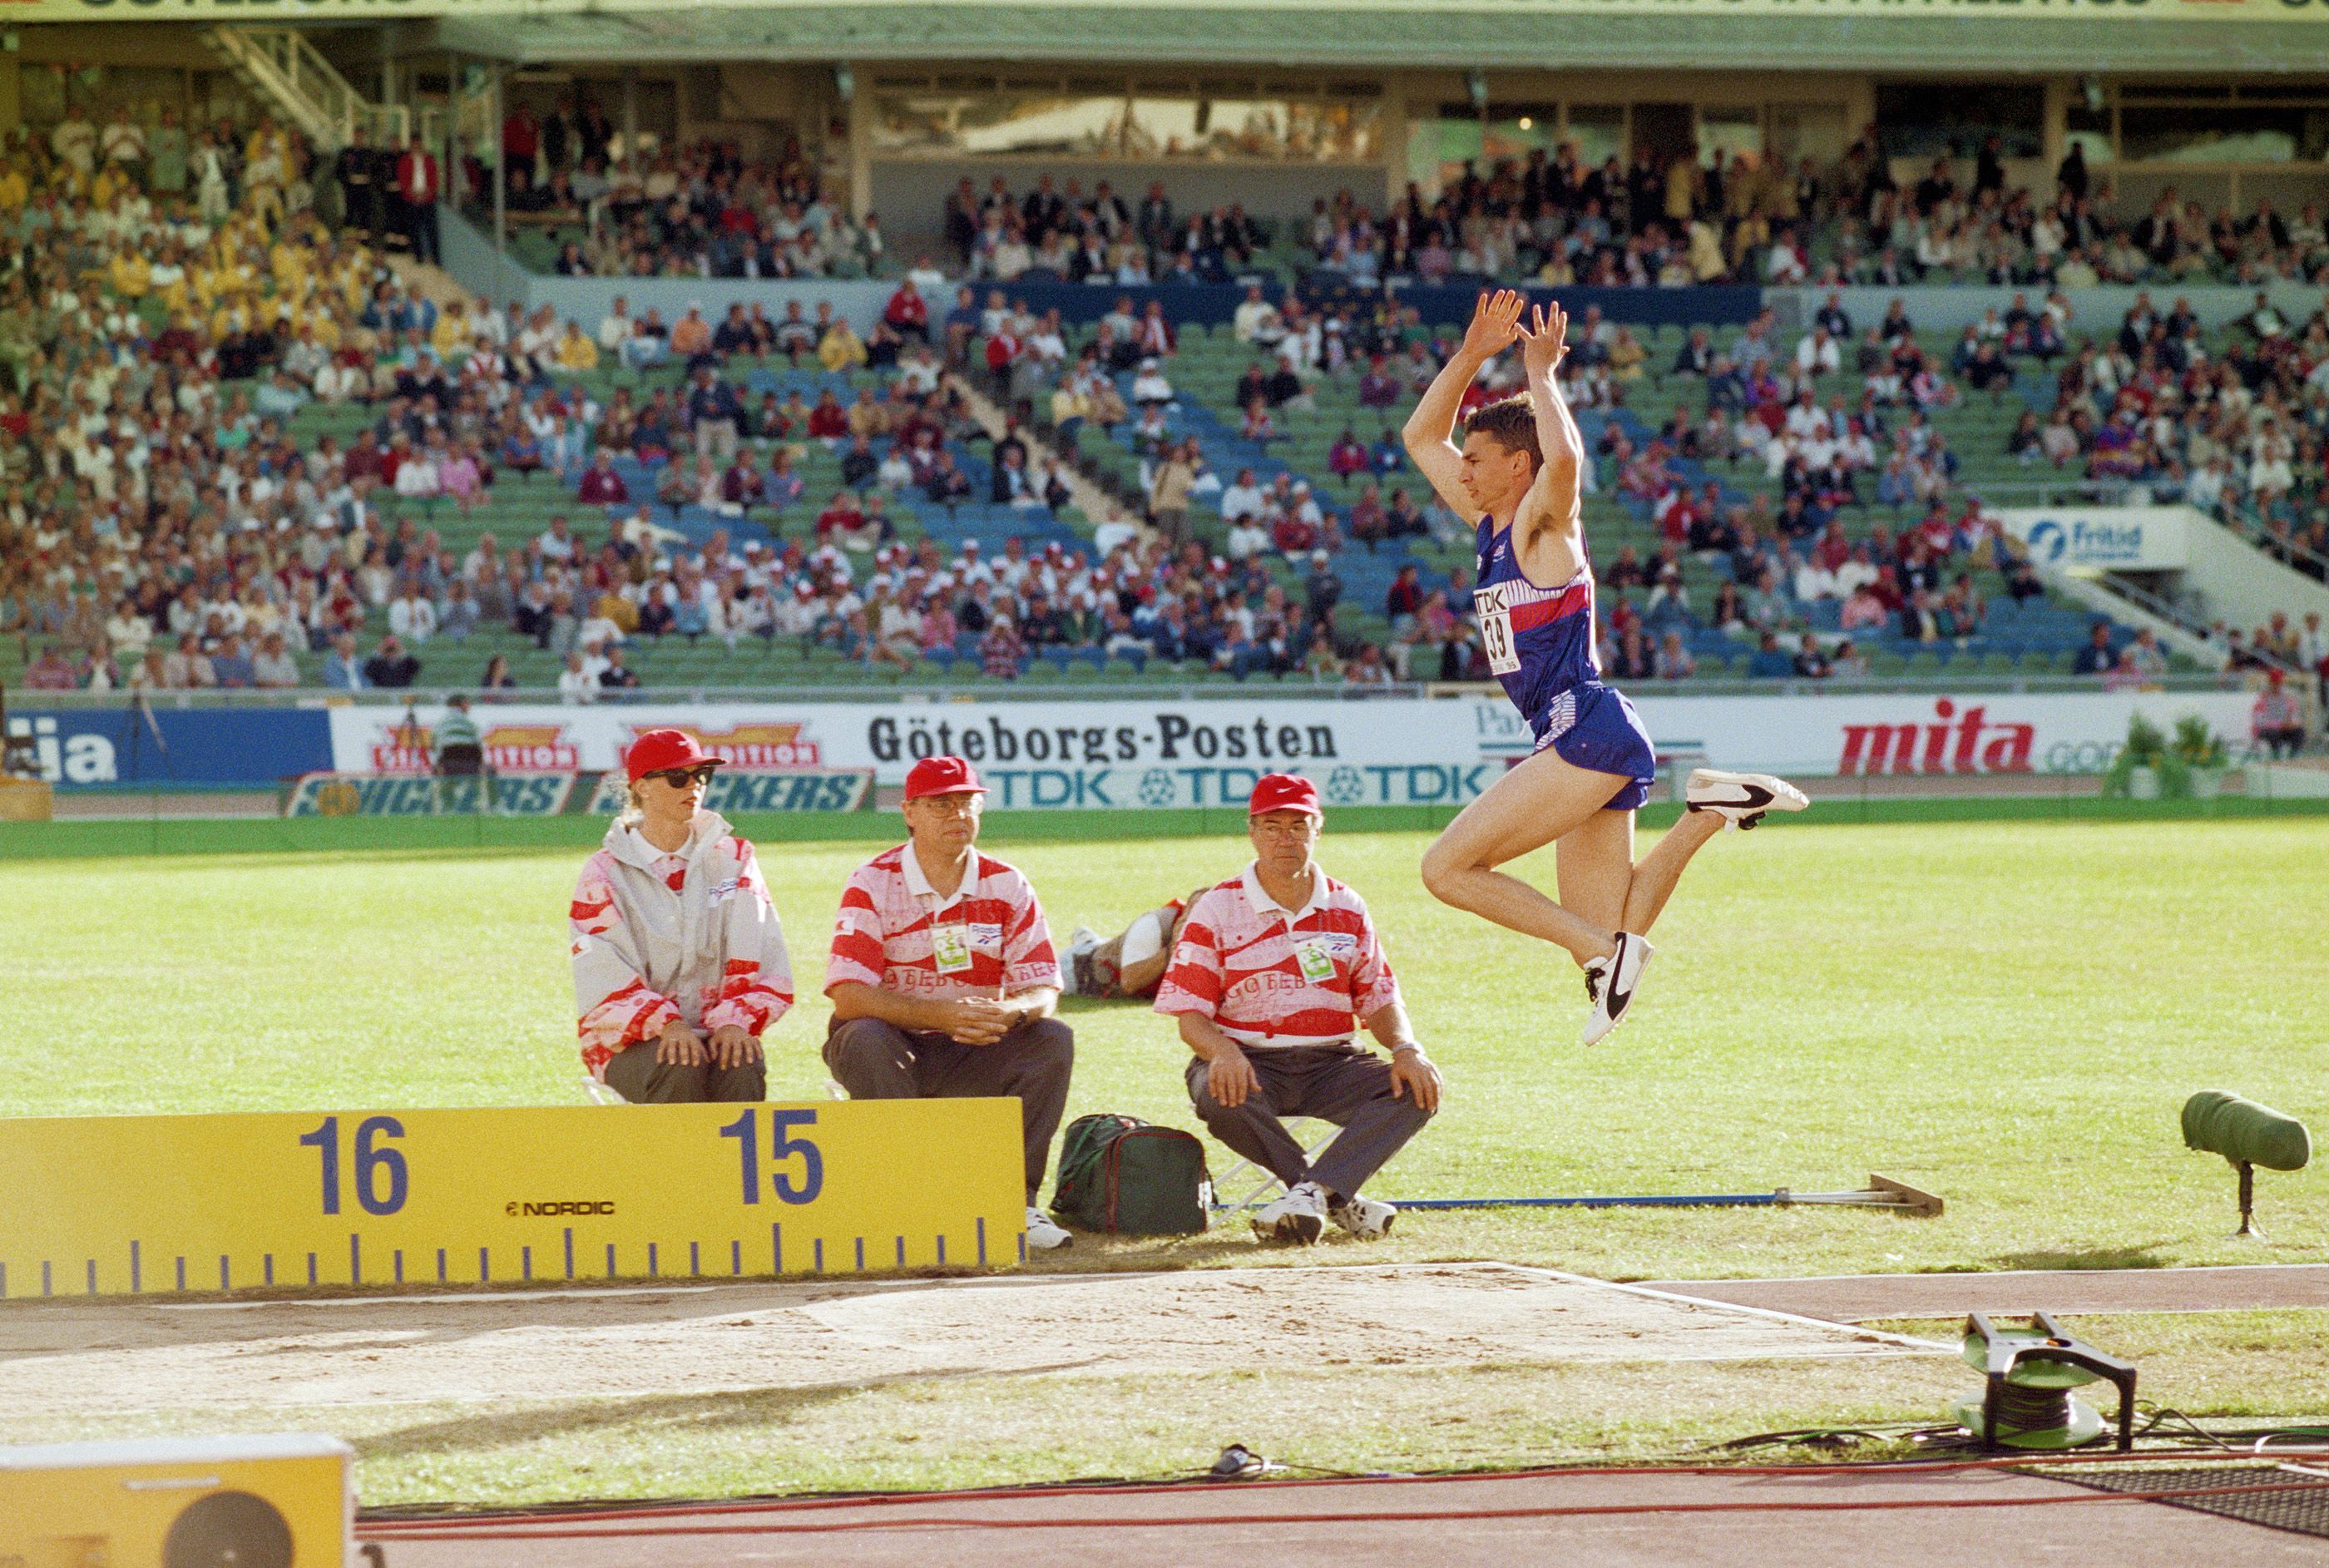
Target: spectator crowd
{"x": 179, "y": 300}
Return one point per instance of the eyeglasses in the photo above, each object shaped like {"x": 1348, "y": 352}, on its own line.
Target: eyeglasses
{"x": 681, "y": 778}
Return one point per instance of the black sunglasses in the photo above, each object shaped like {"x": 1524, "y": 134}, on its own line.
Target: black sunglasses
{"x": 681, "y": 778}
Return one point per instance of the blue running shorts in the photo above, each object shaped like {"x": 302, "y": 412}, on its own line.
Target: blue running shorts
{"x": 1593, "y": 726}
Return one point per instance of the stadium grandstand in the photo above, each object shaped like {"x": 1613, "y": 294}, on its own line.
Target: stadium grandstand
{"x": 462, "y": 353}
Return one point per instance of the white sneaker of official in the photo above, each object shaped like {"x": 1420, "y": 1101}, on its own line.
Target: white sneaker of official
{"x": 1740, "y": 799}
{"x": 1085, "y": 941}
{"x": 1364, "y": 1217}
{"x": 1613, "y": 981}
{"x": 1045, "y": 1235}
{"x": 1298, "y": 1216}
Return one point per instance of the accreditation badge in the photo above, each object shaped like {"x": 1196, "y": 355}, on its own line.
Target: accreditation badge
{"x": 950, "y": 945}
{"x": 1316, "y": 961}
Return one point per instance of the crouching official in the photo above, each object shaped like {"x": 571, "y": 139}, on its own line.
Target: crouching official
{"x": 1131, "y": 963}
{"x": 679, "y": 962}
{"x": 1273, "y": 970}
{"x": 943, "y": 980}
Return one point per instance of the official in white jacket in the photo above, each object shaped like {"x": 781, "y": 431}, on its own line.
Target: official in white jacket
{"x": 679, "y": 960}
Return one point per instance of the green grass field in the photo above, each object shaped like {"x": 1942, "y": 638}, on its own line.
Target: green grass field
{"x": 2007, "y": 1013}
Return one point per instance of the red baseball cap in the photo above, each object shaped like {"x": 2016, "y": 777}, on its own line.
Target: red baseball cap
{"x": 656, "y": 750}
{"x": 942, "y": 776}
{"x": 1284, "y": 792}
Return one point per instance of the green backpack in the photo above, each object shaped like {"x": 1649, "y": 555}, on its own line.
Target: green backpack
{"x": 1124, "y": 1177}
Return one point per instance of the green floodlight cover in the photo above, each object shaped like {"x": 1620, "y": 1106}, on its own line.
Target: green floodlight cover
{"x": 2035, "y": 1369}
{"x": 2242, "y": 1131}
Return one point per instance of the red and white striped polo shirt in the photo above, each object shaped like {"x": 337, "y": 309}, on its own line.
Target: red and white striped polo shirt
{"x": 896, "y": 932}
{"x": 1269, "y": 976}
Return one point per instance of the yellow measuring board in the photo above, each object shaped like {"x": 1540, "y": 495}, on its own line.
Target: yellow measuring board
{"x": 114, "y": 1205}
{"x": 258, "y": 1502}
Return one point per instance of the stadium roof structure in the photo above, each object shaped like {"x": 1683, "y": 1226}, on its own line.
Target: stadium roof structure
{"x": 1925, "y": 35}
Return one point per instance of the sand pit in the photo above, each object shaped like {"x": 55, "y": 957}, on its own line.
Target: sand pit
{"x": 112, "y": 1356}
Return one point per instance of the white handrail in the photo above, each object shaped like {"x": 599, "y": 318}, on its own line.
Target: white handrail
{"x": 308, "y": 87}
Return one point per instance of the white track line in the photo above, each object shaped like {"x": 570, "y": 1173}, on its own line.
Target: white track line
{"x": 1827, "y": 1330}
{"x": 1903, "y": 1341}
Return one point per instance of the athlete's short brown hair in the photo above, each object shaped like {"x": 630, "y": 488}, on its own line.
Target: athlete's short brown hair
{"x": 1511, "y": 422}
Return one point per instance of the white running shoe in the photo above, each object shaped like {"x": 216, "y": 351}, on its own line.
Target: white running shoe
{"x": 1044, "y": 1234}
{"x": 1740, "y": 798}
{"x": 1364, "y": 1217}
{"x": 1298, "y": 1216}
{"x": 1619, "y": 976}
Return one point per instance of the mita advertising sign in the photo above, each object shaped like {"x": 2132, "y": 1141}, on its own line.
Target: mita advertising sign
{"x": 1844, "y": 735}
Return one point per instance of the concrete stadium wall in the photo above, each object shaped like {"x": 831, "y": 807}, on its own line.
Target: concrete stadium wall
{"x": 2228, "y": 570}
{"x": 470, "y": 256}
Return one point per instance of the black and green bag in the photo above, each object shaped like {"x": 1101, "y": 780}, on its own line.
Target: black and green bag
{"x": 1126, "y": 1177}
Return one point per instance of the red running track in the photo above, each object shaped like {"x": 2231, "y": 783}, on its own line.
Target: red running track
{"x": 1971, "y": 1516}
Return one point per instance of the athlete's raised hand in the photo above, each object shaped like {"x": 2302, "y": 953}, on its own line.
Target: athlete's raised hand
{"x": 1544, "y": 341}
{"x": 1495, "y": 322}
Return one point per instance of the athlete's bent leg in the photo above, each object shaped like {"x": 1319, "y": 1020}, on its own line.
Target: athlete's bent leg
{"x": 1655, "y": 876}
{"x": 1543, "y": 799}
{"x": 1600, "y": 881}
{"x": 1716, "y": 800}
{"x": 1594, "y": 866}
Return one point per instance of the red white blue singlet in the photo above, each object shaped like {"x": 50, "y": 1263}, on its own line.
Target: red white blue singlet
{"x": 1539, "y": 640}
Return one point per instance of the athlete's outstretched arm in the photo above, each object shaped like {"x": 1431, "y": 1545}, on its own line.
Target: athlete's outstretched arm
{"x": 1552, "y": 498}
{"x": 1495, "y": 322}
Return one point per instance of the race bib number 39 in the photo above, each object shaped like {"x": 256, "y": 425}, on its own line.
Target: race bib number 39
{"x": 950, "y": 945}
{"x": 1497, "y": 630}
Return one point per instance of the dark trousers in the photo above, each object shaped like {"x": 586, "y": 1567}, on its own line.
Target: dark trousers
{"x": 1340, "y": 1083}
{"x": 639, "y": 1078}
{"x": 878, "y": 1061}
{"x": 420, "y": 229}
{"x": 363, "y": 204}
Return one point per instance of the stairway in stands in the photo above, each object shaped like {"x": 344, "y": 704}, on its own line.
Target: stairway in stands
{"x": 282, "y": 66}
